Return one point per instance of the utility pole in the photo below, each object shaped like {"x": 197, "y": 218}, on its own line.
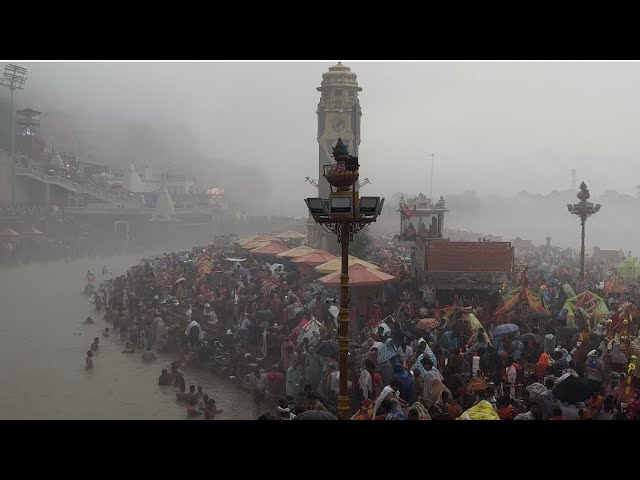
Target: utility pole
{"x": 14, "y": 79}
{"x": 431, "y": 194}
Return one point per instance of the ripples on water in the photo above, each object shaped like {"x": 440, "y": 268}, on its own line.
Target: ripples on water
{"x": 42, "y": 358}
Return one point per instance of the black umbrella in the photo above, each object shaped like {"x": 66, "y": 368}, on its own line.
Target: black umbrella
{"x": 316, "y": 415}
{"x": 572, "y": 390}
{"x": 328, "y": 349}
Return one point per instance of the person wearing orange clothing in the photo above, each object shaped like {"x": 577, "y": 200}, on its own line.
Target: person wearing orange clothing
{"x": 544, "y": 362}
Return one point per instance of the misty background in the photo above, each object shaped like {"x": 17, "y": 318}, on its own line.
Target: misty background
{"x": 506, "y": 134}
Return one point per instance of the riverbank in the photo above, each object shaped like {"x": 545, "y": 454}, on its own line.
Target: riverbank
{"x": 42, "y": 359}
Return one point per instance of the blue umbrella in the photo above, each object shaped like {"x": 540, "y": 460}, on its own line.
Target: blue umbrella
{"x": 506, "y": 328}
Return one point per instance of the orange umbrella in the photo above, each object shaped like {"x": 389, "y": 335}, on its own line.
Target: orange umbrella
{"x": 256, "y": 244}
{"x": 270, "y": 249}
{"x": 315, "y": 258}
{"x": 359, "y": 276}
{"x": 257, "y": 238}
{"x": 336, "y": 264}
{"x": 297, "y": 252}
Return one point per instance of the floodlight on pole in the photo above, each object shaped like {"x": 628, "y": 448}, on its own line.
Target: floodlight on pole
{"x": 14, "y": 78}
{"x": 344, "y": 213}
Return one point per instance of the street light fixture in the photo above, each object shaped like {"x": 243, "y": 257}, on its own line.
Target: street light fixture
{"x": 583, "y": 210}
{"x": 344, "y": 213}
{"x": 14, "y": 79}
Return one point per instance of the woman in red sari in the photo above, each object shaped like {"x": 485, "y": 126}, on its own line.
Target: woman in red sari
{"x": 540, "y": 371}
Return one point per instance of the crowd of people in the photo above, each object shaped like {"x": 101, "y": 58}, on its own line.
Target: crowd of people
{"x": 273, "y": 331}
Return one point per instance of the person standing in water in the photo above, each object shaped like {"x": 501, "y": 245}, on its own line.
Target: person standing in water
{"x": 89, "y": 361}
{"x": 95, "y": 346}
{"x": 148, "y": 354}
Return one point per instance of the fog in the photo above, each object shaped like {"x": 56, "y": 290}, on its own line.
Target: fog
{"x": 497, "y": 128}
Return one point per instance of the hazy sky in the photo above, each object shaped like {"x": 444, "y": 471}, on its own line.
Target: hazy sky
{"x": 495, "y": 127}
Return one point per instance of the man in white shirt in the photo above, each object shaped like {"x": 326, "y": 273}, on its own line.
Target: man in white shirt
{"x": 195, "y": 340}
{"x": 404, "y": 352}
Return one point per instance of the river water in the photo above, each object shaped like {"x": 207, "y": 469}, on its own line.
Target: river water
{"x": 43, "y": 346}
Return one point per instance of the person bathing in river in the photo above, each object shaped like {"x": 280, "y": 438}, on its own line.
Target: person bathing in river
{"x": 165, "y": 378}
{"x": 191, "y": 394}
{"x": 89, "y": 360}
{"x": 148, "y": 354}
{"x": 95, "y": 346}
{"x": 210, "y": 409}
{"x": 105, "y": 332}
{"x": 97, "y": 301}
{"x": 192, "y": 407}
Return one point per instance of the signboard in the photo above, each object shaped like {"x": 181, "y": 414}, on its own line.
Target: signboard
{"x": 468, "y": 257}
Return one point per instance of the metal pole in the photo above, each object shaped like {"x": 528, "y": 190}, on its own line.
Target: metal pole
{"x": 431, "y": 192}
{"x": 343, "y": 324}
{"x": 13, "y": 155}
{"x": 584, "y": 220}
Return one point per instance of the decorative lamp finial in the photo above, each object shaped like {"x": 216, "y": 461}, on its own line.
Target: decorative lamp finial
{"x": 340, "y": 149}
{"x": 584, "y": 192}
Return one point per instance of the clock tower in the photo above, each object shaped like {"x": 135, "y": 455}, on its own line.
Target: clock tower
{"x": 338, "y": 117}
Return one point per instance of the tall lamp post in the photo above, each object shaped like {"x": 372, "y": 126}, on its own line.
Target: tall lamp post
{"x": 583, "y": 210}
{"x": 14, "y": 78}
{"x": 344, "y": 213}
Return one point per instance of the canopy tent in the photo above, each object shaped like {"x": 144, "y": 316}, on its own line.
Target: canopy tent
{"x": 263, "y": 237}
{"x": 291, "y": 235}
{"x": 314, "y": 259}
{"x": 256, "y": 244}
{"x": 591, "y": 303}
{"x": 297, "y": 252}
{"x": 336, "y": 265}
{"x": 270, "y": 249}
{"x": 359, "y": 276}
{"x": 245, "y": 240}
{"x": 521, "y": 299}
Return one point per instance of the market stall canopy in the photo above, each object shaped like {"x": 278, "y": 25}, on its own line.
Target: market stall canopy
{"x": 315, "y": 258}
{"x": 359, "y": 276}
{"x": 593, "y": 305}
{"x": 291, "y": 235}
{"x": 297, "y": 252}
{"x": 335, "y": 265}
{"x": 270, "y": 249}
{"x": 256, "y": 244}
{"x": 521, "y": 296}
{"x": 8, "y": 232}
{"x": 263, "y": 237}
{"x": 245, "y": 240}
